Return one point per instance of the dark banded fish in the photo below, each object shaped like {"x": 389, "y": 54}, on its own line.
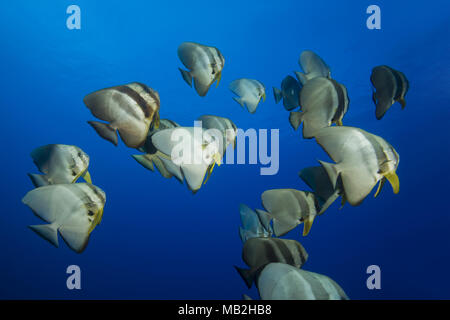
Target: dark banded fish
{"x": 59, "y": 163}
{"x": 313, "y": 66}
{"x": 390, "y": 86}
{"x": 255, "y": 224}
{"x": 324, "y": 102}
{"x": 152, "y": 157}
{"x": 317, "y": 179}
{"x": 290, "y": 90}
{"x": 279, "y": 281}
{"x": 289, "y": 208}
{"x": 205, "y": 65}
{"x": 188, "y": 153}
{"x": 249, "y": 91}
{"x": 72, "y": 209}
{"x": 131, "y": 109}
{"x": 258, "y": 252}
{"x": 362, "y": 160}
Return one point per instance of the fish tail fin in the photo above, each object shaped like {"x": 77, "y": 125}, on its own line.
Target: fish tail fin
{"x": 186, "y": 76}
{"x": 144, "y": 161}
{"x": 301, "y": 77}
{"x": 239, "y": 100}
{"x": 295, "y": 118}
{"x": 39, "y": 180}
{"x": 247, "y": 276}
{"x": 332, "y": 171}
{"x": 105, "y": 131}
{"x": 47, "y": 231}
{"x": 277, "y": 94}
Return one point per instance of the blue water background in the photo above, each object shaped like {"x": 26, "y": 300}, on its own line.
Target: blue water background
{"x": 157, "y": 240}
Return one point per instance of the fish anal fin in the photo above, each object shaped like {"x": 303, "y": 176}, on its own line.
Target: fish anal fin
{"x": 75, "y": 239}
{"x": 47, "y": 231}
{"x": 247, "y": 276}
{"x": 295, "y": 119}
{"x": 186, "y": 76}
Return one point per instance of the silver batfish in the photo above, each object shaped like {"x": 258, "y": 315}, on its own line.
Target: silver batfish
{"x": 258, "y": 252}
{"x": 60, "y": 164}
{"x": 279, "y": 281}
{"x": 250, "y": 93}
{"x": 324, "y": 102}
{"x": 72, "y": 209}
{"x": 131, "y": 109}
{"x": 362, "y": 160}
{"x": 205, "y": 65}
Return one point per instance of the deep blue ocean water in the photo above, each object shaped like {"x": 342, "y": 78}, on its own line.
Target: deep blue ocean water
{"x": 159, "y": 241}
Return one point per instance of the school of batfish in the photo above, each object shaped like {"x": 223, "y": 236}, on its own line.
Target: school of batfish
{"x": 132, "y": 111}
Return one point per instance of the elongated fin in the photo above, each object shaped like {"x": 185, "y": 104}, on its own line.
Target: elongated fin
{"x": 307, "y": 224}
{"x": 277, "y": 94}
{"x": 186, "y": 76}
{"x": 393, "y": 180}
{"x": 247, "y": 275}
{"x": 332, "y": 172}
{"x": 76, "y": 239}
{"x": 39, "y": 180}
{"x": 47, "y": 231}
{"x": 380, "y": 186}
{"x": 295, "y": 119}
{"x": 105, "y": 131}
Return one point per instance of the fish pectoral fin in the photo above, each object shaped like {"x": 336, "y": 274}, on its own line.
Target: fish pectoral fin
{"x": 307, "y": 224}
{"x": 380, "y": 186}
{"x": 339, "y": 122}
{"x": 210, "y": 170}
{"x": 402, "y": 102}
{"x": 264, "y": 97}
{"x": 217, "y": 159}
{"x": 393, "y": 180}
